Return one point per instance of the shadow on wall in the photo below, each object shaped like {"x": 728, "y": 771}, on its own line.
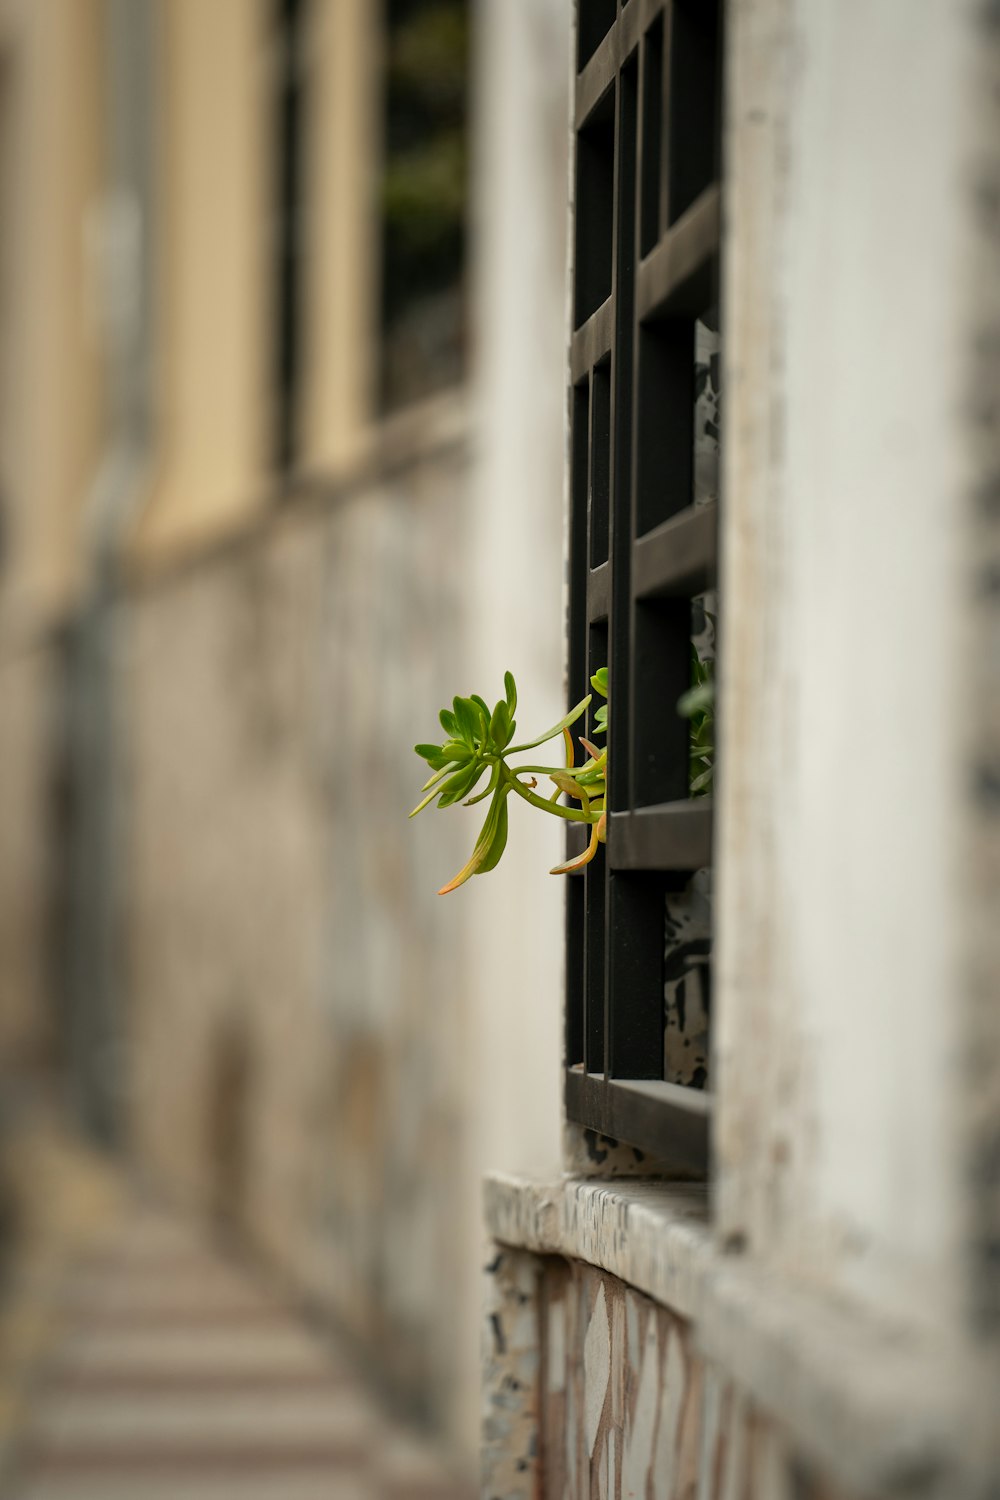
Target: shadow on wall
{"x": 228, "y": 1118}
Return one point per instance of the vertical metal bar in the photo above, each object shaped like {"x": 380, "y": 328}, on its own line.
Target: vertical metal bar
{"x": 595, "y": 962}
{"x": 651, "y": 164}
{"x": 666, "y": 53}
{"x": 600, "y": 463}
{"x": 635, "y": 915}
{"x": 576, "y": 633}
{"x": 620, "y": 933}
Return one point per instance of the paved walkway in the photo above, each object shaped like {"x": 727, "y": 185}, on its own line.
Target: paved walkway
{"x": 176, "y": 1378}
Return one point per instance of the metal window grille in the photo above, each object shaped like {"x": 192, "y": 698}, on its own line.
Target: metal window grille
{"x": 642, "y": 551}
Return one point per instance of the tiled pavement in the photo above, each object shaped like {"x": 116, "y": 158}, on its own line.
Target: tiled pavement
{"x": 177, "y": 1378}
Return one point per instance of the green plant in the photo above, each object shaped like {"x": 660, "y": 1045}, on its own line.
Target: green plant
{"x": 478, "y": 744}
{"x": 698, "y": 705}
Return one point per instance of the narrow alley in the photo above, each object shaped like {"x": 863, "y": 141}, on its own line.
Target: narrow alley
{"x": 175, "y": 1376}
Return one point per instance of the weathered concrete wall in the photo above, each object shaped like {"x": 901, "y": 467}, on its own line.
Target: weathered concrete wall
{"x": 300, "y": 997}
{"x": 595, "y": 1392}
{"x": 29, "y": 855}
{"x": 857, "y": 311}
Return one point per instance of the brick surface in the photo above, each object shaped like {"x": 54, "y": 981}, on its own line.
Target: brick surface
{"x": 177, "y": 1376}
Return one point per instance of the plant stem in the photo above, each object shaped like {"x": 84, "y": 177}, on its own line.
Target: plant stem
{"x": 571, "y": 814}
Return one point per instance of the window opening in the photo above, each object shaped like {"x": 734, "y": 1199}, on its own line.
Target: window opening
{"x": 645, "y": 413}
{"x": 424, "y": 192}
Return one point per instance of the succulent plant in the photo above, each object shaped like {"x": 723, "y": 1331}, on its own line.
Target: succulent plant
{"x": 477, "y": 744}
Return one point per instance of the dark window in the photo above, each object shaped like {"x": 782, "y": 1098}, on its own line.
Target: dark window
{"x": 290, "y": 18}
{"x": 423, "y": 198}
{"x": 644, "y": 411}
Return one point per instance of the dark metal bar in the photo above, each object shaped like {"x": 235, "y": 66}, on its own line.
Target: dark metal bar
{"x": 619, "y": 610}
{"x": 633, "y": 970}
{"x": 598, "y": 593}
{"x": 600, "y": 463}
{"x": 661, "y": 672}
{"x": 594, "y": 237}
{"x": 592, "y": 341}
{"x": 673, "y": 836}
{"x": 575, "y": 972}
{"x": 667, "y": 1120}
{"x": 645, "y": 550}
{"x": 636, "y": 958}
{"x": 664, "y": 460}
{"x": 679, "y": 557}
{"x": 576, "y": 655}
{"x": 651, "y": 158}
{"x": 594, "y": 20}
{"x": 678, "y": 275}
{"x": 595, "y": 904}
{"x": 693, "y": 93}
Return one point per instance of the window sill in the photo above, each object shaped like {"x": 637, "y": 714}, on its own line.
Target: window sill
{"x": 877, "y": 1405}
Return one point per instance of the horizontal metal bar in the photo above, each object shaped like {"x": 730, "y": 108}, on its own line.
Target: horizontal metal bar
{"x": 673, "y": 836}
{"x": 592, "y": 341}
{"x": 676, "y": 276}
{"x": 667, "y": 1120}
{"x": 677, "y": 558}
{"x": 598, "y": 593}
{"x": 600, "y": 70}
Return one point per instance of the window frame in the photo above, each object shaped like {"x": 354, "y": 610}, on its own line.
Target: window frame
{"x": 647, "y": 232}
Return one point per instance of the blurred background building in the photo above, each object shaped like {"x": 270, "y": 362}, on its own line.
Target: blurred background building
{"x": 281, "y": 341}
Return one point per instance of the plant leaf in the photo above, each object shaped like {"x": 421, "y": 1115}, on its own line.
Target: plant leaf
{"x": 696, "y": 700}
{"x": 482, "y": 848}
{"x": 568, "y": 784}
{"x": 484, "y": 715}
{"x": 467, "y": 717}
{"x": 500, "y": 725}
{"x": 461, "y": 784}
{"x": 487, "y": 789}
{"x": 572, "y": 866}
{"x": 499, "y": 844}
{"x": 550, "y": 734}
{"x": 423, "y": 803}
{"x": 510, "y": 689}
{"x": 438, "y": 776}
{"x": 456, "y": 750}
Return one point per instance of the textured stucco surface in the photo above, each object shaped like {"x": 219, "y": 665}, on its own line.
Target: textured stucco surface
{"x": 631, "y": 1410}
{"x": 872, "y": 1402}
{"x": 595, "y": 1392}
{"x": 296, "y": 1024}
{"x": 29, "y": 747}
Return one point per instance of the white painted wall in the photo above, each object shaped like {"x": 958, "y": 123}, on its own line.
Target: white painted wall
{"x": 838, "y": 1025}
{"x": 519, "y": 261}
{"x": 520, "y": 177}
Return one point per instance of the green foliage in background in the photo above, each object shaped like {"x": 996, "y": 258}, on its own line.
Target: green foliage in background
{"x": 698, "y": 705}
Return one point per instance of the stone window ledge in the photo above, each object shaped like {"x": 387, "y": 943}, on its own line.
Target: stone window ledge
{"x": 876, "y": 1404}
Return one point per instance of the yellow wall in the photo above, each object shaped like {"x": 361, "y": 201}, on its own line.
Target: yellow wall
{"x": 50, "y": 369}
{"x": 211, "y": 243}
{"x": 342, "y": 273}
